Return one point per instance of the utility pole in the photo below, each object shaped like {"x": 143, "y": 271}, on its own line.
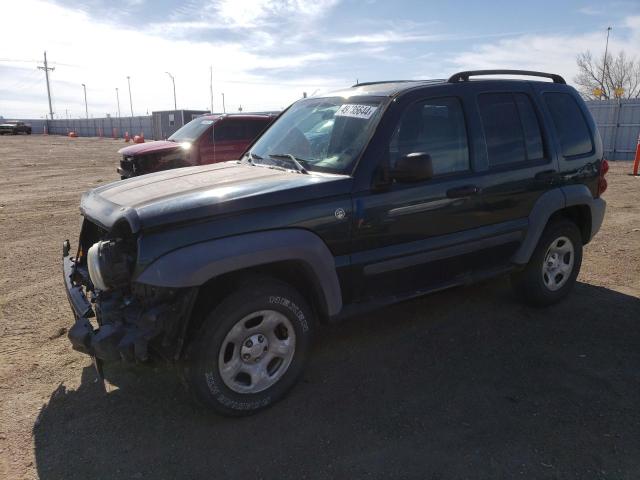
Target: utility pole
{"x": 86, "y": 108}
{"x": 175, "y": 105}
{"x": 118, "y": 100}
{"x": 224, "y": 110}
{"x": 46, "y": 69}
{"x": 130, "y": 101}
{"x": 604, "y": 66}
{"x": 211, "y": 85}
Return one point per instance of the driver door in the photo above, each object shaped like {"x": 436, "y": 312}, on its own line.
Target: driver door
{"x": 402, "y": 233}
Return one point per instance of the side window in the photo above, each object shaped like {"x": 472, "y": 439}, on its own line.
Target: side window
{"x": 435, "y": 127}
{"x": 572, "y": 128}
{"x": 229, "y": 131}
{"x": 254, "y": 128}
{"x": 511, "y": 128}
{"x": 530, "y": 126}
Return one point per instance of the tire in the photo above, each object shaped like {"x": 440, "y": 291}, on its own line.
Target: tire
{"x": 251, "y": 349}
{"x": 554, "y": 266}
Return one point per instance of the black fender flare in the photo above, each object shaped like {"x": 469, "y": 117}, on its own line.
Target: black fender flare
{"x": 549, "y": 203}
{"x": 194, "y": 265}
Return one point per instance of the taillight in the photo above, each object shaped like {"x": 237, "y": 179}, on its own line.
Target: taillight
{"x": 602, "y": 182}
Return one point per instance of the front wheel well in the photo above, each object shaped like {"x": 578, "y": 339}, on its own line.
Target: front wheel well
{"x": 293, "y": 272}
{"x": 578, "y": 214}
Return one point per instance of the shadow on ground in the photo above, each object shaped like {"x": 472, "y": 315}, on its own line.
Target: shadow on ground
{"x": 462, "y": 384}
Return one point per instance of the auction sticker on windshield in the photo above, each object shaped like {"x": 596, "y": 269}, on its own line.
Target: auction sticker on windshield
{"x": 356, "y": 111}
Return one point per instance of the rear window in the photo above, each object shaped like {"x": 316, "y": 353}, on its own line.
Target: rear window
{"x": 572, "y": 128}
{"x": 511, "y": 128}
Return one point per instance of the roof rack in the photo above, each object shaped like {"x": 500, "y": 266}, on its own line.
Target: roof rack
{"x": 464, "y": 76}
{"x": 381, "y": 81}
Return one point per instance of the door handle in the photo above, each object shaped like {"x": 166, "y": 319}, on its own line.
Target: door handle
{"x": 464, "y": 191}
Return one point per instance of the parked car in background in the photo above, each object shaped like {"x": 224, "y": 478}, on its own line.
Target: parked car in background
{"x": 350, "y": 201}
{"x": 206, "y": 139}
{"x": 14, "y": 127}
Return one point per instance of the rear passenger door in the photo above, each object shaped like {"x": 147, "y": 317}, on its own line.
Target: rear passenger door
{"x": 517, "y": 163}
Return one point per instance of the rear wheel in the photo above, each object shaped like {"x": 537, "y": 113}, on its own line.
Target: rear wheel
{"x": 554, "y": 266}
{"x": 251, "y": 349}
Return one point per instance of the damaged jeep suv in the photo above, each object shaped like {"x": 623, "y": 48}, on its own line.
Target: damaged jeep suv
{"x": 350, "y": 201}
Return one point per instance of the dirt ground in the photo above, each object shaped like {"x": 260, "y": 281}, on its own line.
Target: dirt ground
{"x": 466, "y": 383}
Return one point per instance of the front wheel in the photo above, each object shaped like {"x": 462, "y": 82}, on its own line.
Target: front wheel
{"x": 251, "y": 349}
{"x": 554, "y": 266}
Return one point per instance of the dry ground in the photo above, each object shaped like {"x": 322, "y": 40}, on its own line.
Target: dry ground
{"x": 462, "y": 384}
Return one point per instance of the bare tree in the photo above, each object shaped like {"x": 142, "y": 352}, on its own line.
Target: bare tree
{"x": 617, "y": 71}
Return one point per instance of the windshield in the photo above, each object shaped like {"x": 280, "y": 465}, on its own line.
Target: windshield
{"x": 323, "y": 134}
{"x": 192, "y": 130}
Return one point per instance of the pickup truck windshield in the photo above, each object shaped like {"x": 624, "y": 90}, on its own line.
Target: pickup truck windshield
{"x": 191, "y": 131}
{"x": 323, "y": 134}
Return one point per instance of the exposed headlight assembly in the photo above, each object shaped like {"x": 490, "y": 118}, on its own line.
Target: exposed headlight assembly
{"x": 108, "y": 265}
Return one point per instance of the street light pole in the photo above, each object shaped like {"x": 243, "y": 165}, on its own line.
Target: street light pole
{"x": 130, "y": 101}
{"x": 86, "y": 108}
{"x": 118, "y": 100}
{"x": 175, "y": 105}
{"x": 604, "y": 66}
{"x": 224, "y": 110}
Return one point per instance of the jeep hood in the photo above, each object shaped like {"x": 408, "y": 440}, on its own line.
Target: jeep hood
{"x": 192, "y": 193}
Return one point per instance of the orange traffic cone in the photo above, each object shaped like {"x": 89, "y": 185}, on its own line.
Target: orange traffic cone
{"x": 636, "y": 162}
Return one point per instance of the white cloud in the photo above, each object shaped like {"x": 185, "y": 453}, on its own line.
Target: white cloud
{"x": 552, "y": 53}
{"x": 101, "y": 55}
{"x": 590, "y": 10}
{"x": 393, "y": 36}
{"x": 251, "y": 13}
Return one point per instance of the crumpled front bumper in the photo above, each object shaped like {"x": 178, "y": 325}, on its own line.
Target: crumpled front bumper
{"x": 125, "y": 327}
{"x": 82, "y": 330}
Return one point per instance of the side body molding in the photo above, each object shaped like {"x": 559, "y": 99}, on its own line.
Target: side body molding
{"x": 194, "y": 265}
{"x": 549, "y": 203}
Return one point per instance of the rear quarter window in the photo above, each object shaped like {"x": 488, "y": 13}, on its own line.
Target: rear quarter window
{"x": 570, "y": 124}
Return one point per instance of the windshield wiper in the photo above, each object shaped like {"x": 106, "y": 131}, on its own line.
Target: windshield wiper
{"x": 293, "y": 159}
{"x": 252, "y": 156}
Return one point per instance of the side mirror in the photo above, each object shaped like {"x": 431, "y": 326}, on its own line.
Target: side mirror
{"x": 413, "y": 167}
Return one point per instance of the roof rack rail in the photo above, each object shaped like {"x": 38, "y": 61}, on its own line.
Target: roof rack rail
{"x": 381, "y": 81}
{"x": 464, "y": 76}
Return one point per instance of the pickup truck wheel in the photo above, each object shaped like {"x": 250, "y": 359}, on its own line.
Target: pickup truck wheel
{"x": 552, "y": 270}
{"x": 252, "y": 348}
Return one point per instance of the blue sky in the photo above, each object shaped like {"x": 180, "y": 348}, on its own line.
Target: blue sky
{"x": 265, "y": 53}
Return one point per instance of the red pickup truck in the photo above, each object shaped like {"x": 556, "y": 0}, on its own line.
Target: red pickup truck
{"x": 206, "y": 139}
